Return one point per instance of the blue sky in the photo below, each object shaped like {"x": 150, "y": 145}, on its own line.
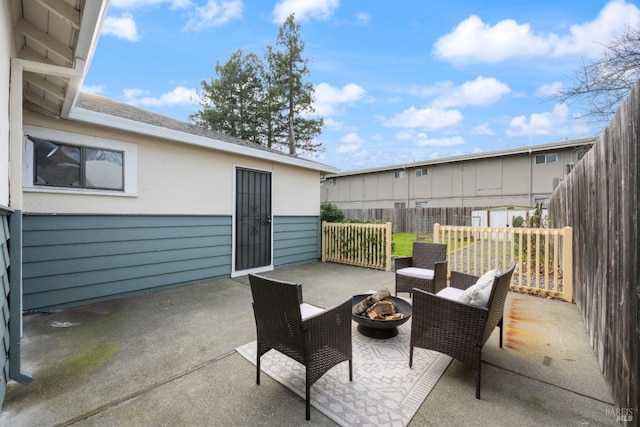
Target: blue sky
{"x": 396, "y": 81}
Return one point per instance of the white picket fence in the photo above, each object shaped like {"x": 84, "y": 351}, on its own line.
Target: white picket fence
{"x": 544, "y": 255}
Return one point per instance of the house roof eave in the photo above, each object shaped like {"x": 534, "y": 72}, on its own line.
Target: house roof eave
{"x": 102, "y": 119}
{"x": 531, "y": 149}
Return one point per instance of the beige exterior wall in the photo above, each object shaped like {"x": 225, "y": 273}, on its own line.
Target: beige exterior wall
{"x": 513, "y": 179}
{"x": 170, "y": 177}
{"x": 6, "y": 49}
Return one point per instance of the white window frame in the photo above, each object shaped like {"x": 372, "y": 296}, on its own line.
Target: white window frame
{"x": 130, "y": 161}
{"x": 422, "y": 171}
{"x": 545, "y": 201}
{"x": 546, "y": 158}
{"x": 400, "y": 174}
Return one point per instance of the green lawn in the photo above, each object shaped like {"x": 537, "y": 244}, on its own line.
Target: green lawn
{"x": 403, "y": 243}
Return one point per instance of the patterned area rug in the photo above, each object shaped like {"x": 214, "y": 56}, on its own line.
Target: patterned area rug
{"x": 384, "y": 391}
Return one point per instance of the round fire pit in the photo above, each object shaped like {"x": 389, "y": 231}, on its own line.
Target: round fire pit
{"x": 381, "y": 328}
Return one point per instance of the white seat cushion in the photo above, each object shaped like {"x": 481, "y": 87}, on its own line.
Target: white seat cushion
{"x": 450, "y": 293}
{"x": 307, "y": 310}
{"x": 418, "y": 273}
{"x": 478, "y": 294}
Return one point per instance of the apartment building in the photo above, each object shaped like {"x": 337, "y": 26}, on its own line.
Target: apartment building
{"x": 520, "y": 176}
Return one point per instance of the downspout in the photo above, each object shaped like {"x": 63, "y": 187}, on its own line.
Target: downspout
{"x": 530, "y": 179}
{"x": 15, "y": 224}
{"x": 408, "y": 188}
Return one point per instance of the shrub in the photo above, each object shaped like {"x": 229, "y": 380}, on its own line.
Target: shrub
{"x": 330, "y": 213}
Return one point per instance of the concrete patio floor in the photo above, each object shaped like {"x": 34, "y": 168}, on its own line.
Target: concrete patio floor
{"x": 167, "y": 359}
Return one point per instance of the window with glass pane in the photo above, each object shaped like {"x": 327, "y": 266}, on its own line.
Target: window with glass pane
{"x": 62, "y": 165}
{"x": 103, "y": 169}
{"x": 58, "y": 167}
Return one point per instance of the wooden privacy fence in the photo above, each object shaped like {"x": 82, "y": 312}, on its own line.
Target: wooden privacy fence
{"x": 364, "y": 245}
{"x": 600, "y": 199}
{"x": 544, "y": 256}
{"x": 415, "y": 220}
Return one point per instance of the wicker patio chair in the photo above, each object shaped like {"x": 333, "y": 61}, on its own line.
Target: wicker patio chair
{"x": 426, "y": 269}
{"x": 455, "y": 328}
{"x": 317, "y": 338}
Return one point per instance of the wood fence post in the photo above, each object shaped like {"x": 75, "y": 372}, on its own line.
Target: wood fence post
{"x": 389, "y": 237}
{"x": 323, "y": 238}
{"x": 567, "y": 264}
{"x": 436, "y": 233}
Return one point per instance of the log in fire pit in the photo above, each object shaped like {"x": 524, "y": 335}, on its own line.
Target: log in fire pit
{"x": 378, "y": 315}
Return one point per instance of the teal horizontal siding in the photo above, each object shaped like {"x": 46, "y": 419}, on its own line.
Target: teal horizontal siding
{"x": 5, "y": 262}
{"x": 78, "y": 259}
{"x": 296, "y": 240}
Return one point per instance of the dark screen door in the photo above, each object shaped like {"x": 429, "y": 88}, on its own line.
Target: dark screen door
{"x": 253, "y": 219}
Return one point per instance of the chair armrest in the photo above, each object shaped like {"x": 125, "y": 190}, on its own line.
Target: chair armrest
{"x": 462, "y": 280}
{"x": 452, "y": 319}
{"x": 440, "y": 275}
{"x": 332, "y": 325}
{"x": 448, "y": 326}
{"x": 403, "y": 262}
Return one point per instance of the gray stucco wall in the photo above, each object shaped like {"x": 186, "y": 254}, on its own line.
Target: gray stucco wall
{"x": 79, "y": 259}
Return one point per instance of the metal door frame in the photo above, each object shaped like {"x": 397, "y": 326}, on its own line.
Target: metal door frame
{"x": 234, "y": 272}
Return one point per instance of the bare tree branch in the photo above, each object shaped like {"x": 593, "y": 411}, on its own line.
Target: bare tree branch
{"x": 604, "y": 83}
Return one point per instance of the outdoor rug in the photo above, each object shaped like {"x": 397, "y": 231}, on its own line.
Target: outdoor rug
{"x": 384, "y": 390}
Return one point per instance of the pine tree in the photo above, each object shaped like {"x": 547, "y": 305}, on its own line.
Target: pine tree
{"x": 232, "y": 103}
{"x": 290, "y": 73}
{"x": 268, "y": 102}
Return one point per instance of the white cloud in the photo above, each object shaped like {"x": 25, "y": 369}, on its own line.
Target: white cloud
{"x": 304, "y": 9}
{"x": 214, "y": 14}
{"x": 178, "y": 96}
{"x": 476, "y": 41}
{"x": 122, "y": 27}
{"x": 352, "y": 138}
{"x": 550, "y": 123}
{"x": 352, "y": 142}
{"x": 425, "y": 118}
{"x": 481, "y": 91}
{"x": 329, "y": 97}
{"x": 135, "y": 4}
{"x": 549, "y": 89}
{"x": 348, "y": 148}
{"x": 95, "y": 89}
{"x": 421, "y": 139}
{"x": 586, "y": 39}
{"x": 330, "y": 123}
{"x": 439, "y": 142}
{"x": 483, "y": 129}
{"x": 363, "y": 18}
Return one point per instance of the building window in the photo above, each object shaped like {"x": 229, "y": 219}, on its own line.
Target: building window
{"x": 62, "y": 165}
{"x": 421, "y": 204}
{"x": 331, "y": 182}
{"x": 422, "y": 171}
{"x": 543, "y": 200}
{"x": 65, "y": 162}
{"x": 400, "y": 174}
{"x": 542, "y": 159}
{"x": 399, "y": 205}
